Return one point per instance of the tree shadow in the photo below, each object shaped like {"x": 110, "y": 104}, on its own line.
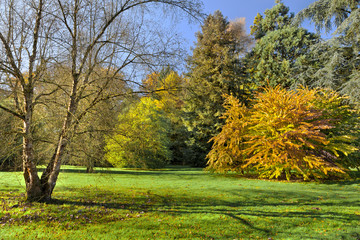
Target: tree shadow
{"x": 306, "y": 206}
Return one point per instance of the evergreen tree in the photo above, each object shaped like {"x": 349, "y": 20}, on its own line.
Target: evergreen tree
{"x": 214, "y": 70}
{"x": 336, "y": 61}
{"x": 281, "y": 52}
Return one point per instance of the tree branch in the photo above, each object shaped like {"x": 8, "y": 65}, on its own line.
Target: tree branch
{"x": 12, "y": 112}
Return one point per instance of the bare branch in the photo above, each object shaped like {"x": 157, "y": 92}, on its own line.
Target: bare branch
{"x": 12, "y": 112}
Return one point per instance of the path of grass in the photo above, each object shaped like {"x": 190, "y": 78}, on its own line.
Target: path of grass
{"x": 179, "y": 203}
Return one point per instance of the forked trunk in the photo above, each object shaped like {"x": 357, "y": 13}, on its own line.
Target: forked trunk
{"x": 51, "y": 173}
{"x": 40, "y": 190}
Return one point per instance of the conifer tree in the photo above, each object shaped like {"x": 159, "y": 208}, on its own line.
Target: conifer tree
{"x": 214, "y": 69}
{"x": 336, "y": 61}
{"x": 281, "y": 52}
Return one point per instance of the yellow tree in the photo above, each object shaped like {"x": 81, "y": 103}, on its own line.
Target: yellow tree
{"x": 167, "y": 87}
{"x": 141, "y": 139}
{"x": 284, "y": 134}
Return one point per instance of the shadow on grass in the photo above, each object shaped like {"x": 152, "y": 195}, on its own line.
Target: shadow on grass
{"x": 355, "y": 179}
{"x": 159, "y": 208}
{"x": 272, "y": 204}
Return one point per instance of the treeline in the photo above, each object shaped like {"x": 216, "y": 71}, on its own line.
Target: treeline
{"x": 275, "y": 104}
{"x": 278, "y": 103}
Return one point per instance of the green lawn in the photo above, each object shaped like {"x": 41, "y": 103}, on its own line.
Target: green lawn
{"x": 179, "y": 203}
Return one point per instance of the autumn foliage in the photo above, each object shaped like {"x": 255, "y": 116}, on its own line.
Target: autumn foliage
{"x": 284, "y": 134}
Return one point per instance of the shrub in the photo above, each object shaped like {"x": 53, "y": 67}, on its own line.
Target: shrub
{"x": 304, "y": 133}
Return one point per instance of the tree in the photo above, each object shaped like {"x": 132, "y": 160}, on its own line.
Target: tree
{"x": 88, "y": 139}
{"x": 214, "y": 69}
{"x": 141, "y": 139}
{"x": 303, "y": 133}
{"x": 282, "y": 50}
{"x": 336, "y": 61}
{"x": 167, "y": 87}
{"x": 88, "y": 143}
{"x": 82, "y": 36}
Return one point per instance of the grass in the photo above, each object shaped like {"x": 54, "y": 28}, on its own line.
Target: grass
{"x": 179, "y": 203}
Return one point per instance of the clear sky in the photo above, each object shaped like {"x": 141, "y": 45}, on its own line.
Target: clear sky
{"x": 233, "y": 9}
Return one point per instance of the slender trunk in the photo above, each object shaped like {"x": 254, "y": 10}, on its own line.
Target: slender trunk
{"x": 32, "y": 181}
{"x": 90, "y": 166}
{"x": 51, "y": 173}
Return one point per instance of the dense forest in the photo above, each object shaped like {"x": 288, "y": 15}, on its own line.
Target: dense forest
{"x": 97, "y": 84}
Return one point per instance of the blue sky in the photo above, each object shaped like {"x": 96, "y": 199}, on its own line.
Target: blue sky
{"x": 243, "y": 8}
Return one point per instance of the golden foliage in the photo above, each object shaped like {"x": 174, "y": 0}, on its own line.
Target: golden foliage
{"x": 282, "y": 135}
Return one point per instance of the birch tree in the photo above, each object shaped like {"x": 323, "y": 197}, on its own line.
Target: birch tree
{"x": 81, "y": 37}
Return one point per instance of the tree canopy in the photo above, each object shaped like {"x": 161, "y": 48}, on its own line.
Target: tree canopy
{"x": 214, "y": 69}
{"x": 141, "y": 139}
{"x": 285, "y": 134}
{"x": 336, "y": 61}
{"x": 282, "y": 50}
{"x": 80, "y": 37}
{"x": 78, "y": 77}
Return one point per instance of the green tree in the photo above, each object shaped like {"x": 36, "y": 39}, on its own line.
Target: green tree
{"x": 336, "y": 62}
{"x": 281, "y": 52}
{"x": 214, "y": 69}
{"x": 303, "y": 133}
{"x": 167, "y": 87}
{"x": 141, "y": 139}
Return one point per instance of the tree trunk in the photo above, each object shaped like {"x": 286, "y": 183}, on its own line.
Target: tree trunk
{"x": 32, "y": 181}
{"x": 90, "y": 168}
{"x": 40, "y": 190}
{"x": 51, "y": 173}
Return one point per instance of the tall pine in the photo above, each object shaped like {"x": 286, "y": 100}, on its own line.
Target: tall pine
{"x": 337, "y": 59}
{"x": 214, "y": 70}
{"x": 282, "y": 50}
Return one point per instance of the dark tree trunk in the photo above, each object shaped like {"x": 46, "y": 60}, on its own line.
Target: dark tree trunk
{"x": 51, "y": 173}
{"x": 90, "y": 169}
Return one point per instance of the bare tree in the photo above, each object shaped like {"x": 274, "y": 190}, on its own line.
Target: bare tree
{"x": 82, "y": 37}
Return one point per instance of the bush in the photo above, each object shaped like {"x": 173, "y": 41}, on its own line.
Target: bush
{"x": 304, "y": 133}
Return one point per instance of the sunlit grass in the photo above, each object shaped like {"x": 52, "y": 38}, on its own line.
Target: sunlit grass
{"x": 179, "y": 203}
